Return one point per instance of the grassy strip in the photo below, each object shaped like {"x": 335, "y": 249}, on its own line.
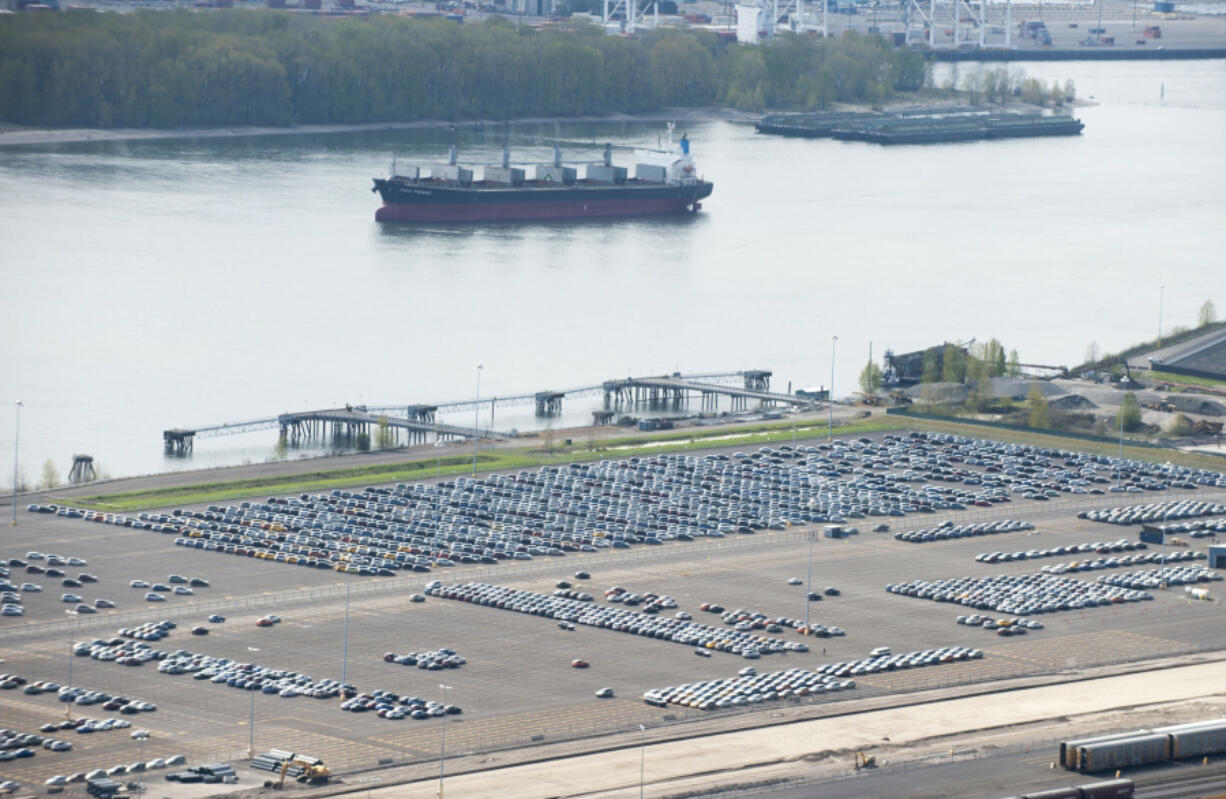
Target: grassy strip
{"x": 1203, "y": 382}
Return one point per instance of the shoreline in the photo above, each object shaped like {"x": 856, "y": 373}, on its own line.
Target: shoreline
{"x": 20, "y": 136}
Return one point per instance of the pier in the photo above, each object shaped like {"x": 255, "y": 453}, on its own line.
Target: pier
{"x": 419, "y": 420}
{"x": 676, "y": 390}
{"x": 350, "y": 422}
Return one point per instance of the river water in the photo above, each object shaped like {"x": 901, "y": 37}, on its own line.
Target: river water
{"x": 187, "y": 282}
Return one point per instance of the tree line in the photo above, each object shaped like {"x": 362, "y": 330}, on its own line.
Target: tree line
{"x": 167, "y": 69}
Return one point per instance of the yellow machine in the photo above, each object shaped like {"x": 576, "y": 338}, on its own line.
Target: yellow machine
{"x": 865, "y": 761}
{"x": 313, "y": 771}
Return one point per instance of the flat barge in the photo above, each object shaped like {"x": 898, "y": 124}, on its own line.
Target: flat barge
{"x": 920, "y": 127}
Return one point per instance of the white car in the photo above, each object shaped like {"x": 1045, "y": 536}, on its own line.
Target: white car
{"x": 794, "y": 581}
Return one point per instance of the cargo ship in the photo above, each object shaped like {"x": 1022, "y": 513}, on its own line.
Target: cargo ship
{"x": 665, "y": 181}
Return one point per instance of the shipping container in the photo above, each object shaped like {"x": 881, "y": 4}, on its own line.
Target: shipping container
{"x": 1070, "y": 750}
{"x": 509, "y": 176}
{"x": 1053, "y": 793}
{"x": 1108, "y": 789}
{"x": 606, "y": 174}
{"x": 1139, "y": 750}
{"x": 1196, "y": 740}
{"x": 650, "y": 172}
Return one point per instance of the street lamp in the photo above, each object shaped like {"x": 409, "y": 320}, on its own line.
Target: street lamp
{"x": 476, "y": 418}
{"x": 642, "y": 759}
{"x": 442, "y": 746}
{"x": 345, "y": 644}
{"x": 809, "y": 582}
{"x": 16, "y": 439}
{"x": 142, "y": 736}
{"x": 834, "y": 340}
{"x": 1161, "y": 297}
{"x": 71, "y": 628}
{"x": 251, "y": 721}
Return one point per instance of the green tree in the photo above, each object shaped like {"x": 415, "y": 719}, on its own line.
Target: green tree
{"x": 870, "y": 378}
{"x": 1040, "y": 410}
{"x": 1129, "y": 416}
{"x": 932, "y": 365}
{"x": 384, "y": 437}
{"x": 51, "y": 475}
{"x": 1180, "y": 426}
{"x": 1207, "y": 314}
{"x": 953, "y": 364}
{"x": 361, "y": 442}
{"x": 1014, "y": 367}
{"x": 1092, "y": 353}
{"x": 281, "y": 448}
{"x": 978, "y": 374}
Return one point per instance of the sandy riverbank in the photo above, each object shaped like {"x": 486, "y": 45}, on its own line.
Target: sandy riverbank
{"x": 19, "y": 136}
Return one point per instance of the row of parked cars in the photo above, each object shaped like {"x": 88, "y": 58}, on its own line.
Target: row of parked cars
{"x": 746, "y": 621}
{"x": 85, "y": 725}
{"x": 747, "y": 688}
{"x": 98, "y": 780}
{"x": 1156, "y": 578}
{"x": 1019, "y": 595}
{"x": 14, "y": 741}
{"x": 253, "y": 677}
{"x": 1004, "y": 627}
{"x": 393, "y": 706}
{"x": 1155, "y": 512}
{"x": 948, "y": 531}
{"x": 750, "y": 688}
{"x": 1114, "y": 562}
{"x": 1100, "y": 547}
{"x": 689, "y": 633}
{"x": 432, "y": 660}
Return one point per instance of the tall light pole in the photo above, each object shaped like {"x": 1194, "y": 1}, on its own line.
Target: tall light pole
{"x": 345, "y": 642}
{"x": 476, "y": 418}
{"x": 1161, "y": 299}
{"x": 442, "y": 746}
{"x": 642, "y": 759}
{"x": 71, "y": 629}
{"x": 809, "y": 581}
{"x": 251, "y": 720}
{"x": 16, "y": 439}
{"x": 142, "y": 736}
{"x": 834, "y": 340}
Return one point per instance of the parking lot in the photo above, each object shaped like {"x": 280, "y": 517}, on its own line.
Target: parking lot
{"x": 518, "y": 685}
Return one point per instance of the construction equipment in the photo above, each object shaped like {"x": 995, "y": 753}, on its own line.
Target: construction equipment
{"x": 311, "y": 770}
{"x": 865, "y": 761}
{"x": 302, "y": 768}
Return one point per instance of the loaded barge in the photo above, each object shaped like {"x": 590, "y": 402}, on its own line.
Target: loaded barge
{"x": 665, "y": 181}
{"x": 919, "y": 127}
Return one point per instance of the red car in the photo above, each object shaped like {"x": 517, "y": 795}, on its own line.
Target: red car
{"x": 264, "y": 623}
{"x": 579, "y": 663}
